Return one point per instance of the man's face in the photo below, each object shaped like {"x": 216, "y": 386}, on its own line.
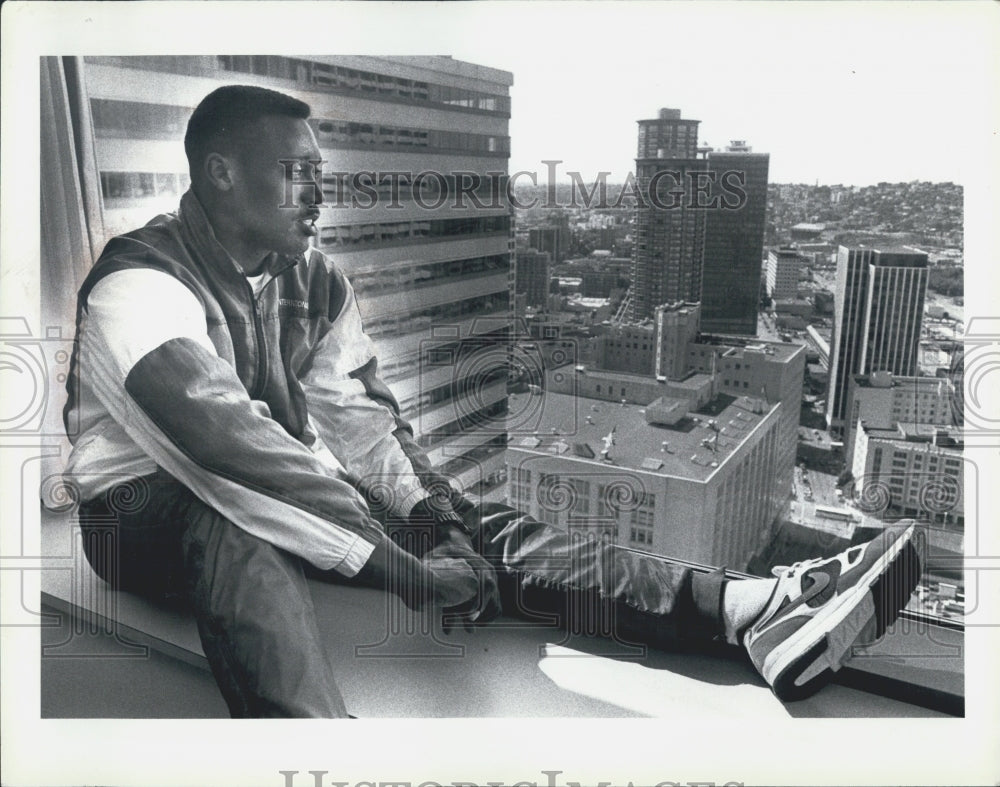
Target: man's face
{"x": 277, "y": 186}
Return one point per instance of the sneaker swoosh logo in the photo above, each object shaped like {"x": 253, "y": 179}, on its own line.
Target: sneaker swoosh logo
{"x": 820, "y": 581}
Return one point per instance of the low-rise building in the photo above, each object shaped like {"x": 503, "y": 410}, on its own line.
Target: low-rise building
{"x": 652, "y": 347}
{"x": 807, "y": 232}
{"x": 882, "y": 400}
{"x": 783, "y": 268}
{"x": 697, "y": 484}
{"x": 696, "y": 389}
{"x": 912, "y": 470}
{"x": 709, "y": 456}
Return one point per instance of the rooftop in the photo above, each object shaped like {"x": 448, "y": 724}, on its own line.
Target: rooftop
{"x": 693, "y": 380}
{"x": 677, "y": 119}
{"x": 895, "y": 248}
{"x": 779, "y": 351}
{"x": 892, "y": 255}
{"x": 587, "y": 303}
{"x": 787, "y": 253}
{"x": 607, "y": 374}
{"x": 930, "y": 435}
{"x": 896, "y": 381}
{"x": 575, "y": 428}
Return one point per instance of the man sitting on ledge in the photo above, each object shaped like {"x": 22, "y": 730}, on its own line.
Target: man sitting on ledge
{"x": 223, "y": 376}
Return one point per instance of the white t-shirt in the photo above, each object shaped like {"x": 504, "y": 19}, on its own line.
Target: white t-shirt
{"x": 257, "y": 282}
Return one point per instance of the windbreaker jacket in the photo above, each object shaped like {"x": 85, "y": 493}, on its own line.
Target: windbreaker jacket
{"x": 269, "y": 406}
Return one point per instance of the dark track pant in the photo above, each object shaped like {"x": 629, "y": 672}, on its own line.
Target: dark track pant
{"x": 251, "y": 598}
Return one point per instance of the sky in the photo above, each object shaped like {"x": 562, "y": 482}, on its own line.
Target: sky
{"x": 834, "y": 92}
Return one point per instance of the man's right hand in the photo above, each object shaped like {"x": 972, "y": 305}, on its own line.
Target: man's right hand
{"x": 453, "y": 581}
{"x": 454, "y": 560}
{"x": 451, "y": 559}
{"x": 439, "y": 580}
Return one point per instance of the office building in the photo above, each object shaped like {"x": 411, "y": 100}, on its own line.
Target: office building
{"x": 676, "y": 327}
{"x": 626, "y": 347}
{"x": 599, "y": 284}
{"x": 695, "y": 388}
{"x": 669, "y": 228}
{"x": 432, "y": 271}
{"x": 707, "y": 375}
{"x": 734, "y": 240}
{"x": 956, "y": 373}
{"x": 531, "y": 276}
{"x": 772, "y": 371}
{"x": 882, "y": 400}
{"x": 911, "y": 470}
{"x": 878, "y": 309}
{"x": 656, "y": 347}
{"x": 552, "y": 239}
{"x": 694, "y": 483}
{"x": 783, "y": 267}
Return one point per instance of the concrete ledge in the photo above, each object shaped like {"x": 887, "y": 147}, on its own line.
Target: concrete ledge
{"x": 391, "y": 663}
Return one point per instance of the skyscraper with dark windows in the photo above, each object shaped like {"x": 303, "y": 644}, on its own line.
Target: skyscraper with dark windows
{"x": 531, "y": 276}
{"x": 551, "y": 239}
{"x": 669, "y": 229}
{"x": 432, "y": 272}
{"x": 734, "y": 240}
{"x": 878, "y": 312}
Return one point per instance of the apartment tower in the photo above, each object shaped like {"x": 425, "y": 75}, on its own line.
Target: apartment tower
{"x": 669, "y": 229}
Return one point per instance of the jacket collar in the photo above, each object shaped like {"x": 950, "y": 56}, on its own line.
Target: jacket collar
{"x": 200, "y": 234}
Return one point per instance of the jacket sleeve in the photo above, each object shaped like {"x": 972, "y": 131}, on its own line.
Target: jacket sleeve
{"x": 358, "y": 417}
{"x": 145, "y": 346}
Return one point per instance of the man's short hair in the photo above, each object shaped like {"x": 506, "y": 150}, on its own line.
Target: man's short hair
{"x": 220, "y": 122}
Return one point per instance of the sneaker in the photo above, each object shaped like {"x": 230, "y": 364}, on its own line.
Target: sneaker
{"x": 821, "y": 608}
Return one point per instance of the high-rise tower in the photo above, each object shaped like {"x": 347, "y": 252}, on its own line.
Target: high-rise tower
{"x": 669, "y": 231}
{"x": 878, "y": 310}
{"x": 734, "y": 240}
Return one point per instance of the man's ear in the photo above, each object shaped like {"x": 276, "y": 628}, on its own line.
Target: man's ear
{"x": 219, "y": 171}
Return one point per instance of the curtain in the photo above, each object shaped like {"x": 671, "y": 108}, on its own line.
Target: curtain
{"x": 71, "y": 227}
{"x": 71, "y": 221}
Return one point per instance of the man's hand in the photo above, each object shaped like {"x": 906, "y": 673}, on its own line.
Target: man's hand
{"x": 455, "y": 562}
{"x": 453, "y": 582}
{"x": 450, "y": 577}
{"x": 461, "y": 582}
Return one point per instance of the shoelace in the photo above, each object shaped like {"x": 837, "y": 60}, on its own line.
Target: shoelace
{"x": 793, "y": 570}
